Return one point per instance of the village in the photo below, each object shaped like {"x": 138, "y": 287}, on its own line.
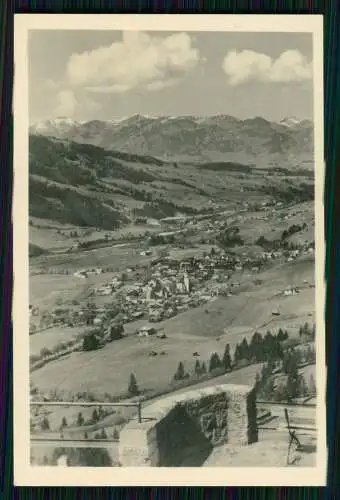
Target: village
{"x": 166, "y": 287}
{"x": 190, "y": 262}
{"x": 171, "y": 286}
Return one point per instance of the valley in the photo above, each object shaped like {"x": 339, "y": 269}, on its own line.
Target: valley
{"x": 182, "y": 256}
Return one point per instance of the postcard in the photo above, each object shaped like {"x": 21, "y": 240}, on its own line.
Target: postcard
{"x": 169, "y": 251}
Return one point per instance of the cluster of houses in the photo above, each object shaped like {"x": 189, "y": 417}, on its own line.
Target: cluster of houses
{"x": 288, "y": 255}
{"x": 172, "y": 286}
{"x": 168, "y": 286}
{"x": 109, "y": 287}
{"x": 85, "y": 273}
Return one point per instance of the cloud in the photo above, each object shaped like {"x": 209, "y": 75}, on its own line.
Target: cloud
{"x": 50, "y": 84}
{"x": 161, "y": 84}
{"x": 107, "y": 89}
{"x": 68, "y": 105}
{"x": 137, "y": 60}
{"x": 247, "y": 65}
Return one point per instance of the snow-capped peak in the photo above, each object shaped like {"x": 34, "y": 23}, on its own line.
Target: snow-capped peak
{"x": 290, "y": 121}
{"x": 55, "y": 126}
{"x": 64, "y": 120}
{"x": 117, "y": 119}
{"x": 59, "y": 122}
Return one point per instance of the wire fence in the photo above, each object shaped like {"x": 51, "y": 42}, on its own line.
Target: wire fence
{"x": 137, "y": 405}
{"x": 71, "y": 441}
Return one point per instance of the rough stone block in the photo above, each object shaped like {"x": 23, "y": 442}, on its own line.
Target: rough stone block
{"x": 196, "y": 420}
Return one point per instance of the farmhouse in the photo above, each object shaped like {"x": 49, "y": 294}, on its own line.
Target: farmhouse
{"x": 80, "y": 274}
{"x": 145, "y": 253}
{"x": 104, "y": 290}
{"x": 146, "y": 331}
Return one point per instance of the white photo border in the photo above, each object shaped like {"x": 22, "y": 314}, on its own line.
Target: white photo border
{"x": 28, "y": 475}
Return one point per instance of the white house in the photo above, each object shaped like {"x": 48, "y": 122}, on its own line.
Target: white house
{"x": 146, "y": 331}
{"x": 186, "y": 283}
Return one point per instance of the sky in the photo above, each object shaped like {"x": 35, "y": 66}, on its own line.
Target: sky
{"x": 103, "y": 75}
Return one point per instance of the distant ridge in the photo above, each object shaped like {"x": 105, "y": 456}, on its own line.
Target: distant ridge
{"x": 209, "y": 138}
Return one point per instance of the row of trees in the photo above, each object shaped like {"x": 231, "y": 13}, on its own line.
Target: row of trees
{"x": 157, "y": 239}
{"x": 277, "y": 244}
{"x": 290, "y": 194}
{"x": 307, "y": 331}
{"x": 294, "y": 228}
{"x": 272, "y": 349}
{"x": 260, "y": 348}
{"x": 45, "y": 425}
{"x": 215, "y": 363}
{"x": 97, "y": 413}
{"x": 94, "y": 339}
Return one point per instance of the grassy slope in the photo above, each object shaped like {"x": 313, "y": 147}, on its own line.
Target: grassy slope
{"x": 231, "y": 318}
{"x": 83, "y": 185}
{"x": 121, "y": 178}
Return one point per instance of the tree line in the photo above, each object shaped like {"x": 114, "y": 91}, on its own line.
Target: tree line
{"x": 278, "y": 353}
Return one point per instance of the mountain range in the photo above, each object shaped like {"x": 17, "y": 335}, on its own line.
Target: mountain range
{"x": 288, "y": 143}
{"x": 89, "y": 186}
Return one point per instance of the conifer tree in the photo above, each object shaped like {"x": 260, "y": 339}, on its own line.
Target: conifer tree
{"x": 180, "y": 373}
{"x": 80, "y": 419}
{"x": 45, "y": 424}
{"x": 237, "y": 354}
{"x": 95, "y": 417}
{"x": 226, "y": 361}
{"x": 197, "y": 367}
{"x": 244, "y": 347}
{"x": 256, "y": 347}
{"x": 133, "y": 387}
{"x": 280, "y": 335}
{"x": 214, "y": 362}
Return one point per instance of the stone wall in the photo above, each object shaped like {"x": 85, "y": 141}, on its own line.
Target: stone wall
{"x": 182, "y": 430}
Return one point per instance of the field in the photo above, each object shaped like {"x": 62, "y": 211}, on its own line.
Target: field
{"x": 244, "y": 376}
{"x": 229, "y": 319}
{"x": 50, "y": 338}
{"x": 116, "y": 256}
{"x": 204, "y": 329}
{"x": 108, "y": 369}
{"x": 46, "y": 289}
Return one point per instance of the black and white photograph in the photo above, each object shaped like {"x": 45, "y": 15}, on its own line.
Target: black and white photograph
{"x": 171, "y": 216}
